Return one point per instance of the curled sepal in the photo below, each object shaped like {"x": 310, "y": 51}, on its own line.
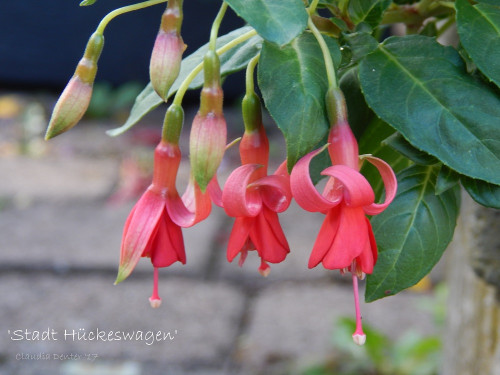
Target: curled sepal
{"x": 305, "y": 192}
{"x": 75, "y": 99}
{"x": 356, "y": 189}
{"x": 275, "y": 191}
{"x": 237, "y": 198}
{"x": 390, "y": 184}
{"x": 167, "y": 52}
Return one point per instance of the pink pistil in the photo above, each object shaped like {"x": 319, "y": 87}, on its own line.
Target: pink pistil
{"x": 155, "y": 299}
{"x": 358, "y": 336}
{"x": 264, "y": 269}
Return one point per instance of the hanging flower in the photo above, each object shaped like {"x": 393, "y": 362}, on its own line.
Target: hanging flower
{"x": 345, "y": 240}
{"x": 255, "y": 198}
{"x": 153, "y": 228}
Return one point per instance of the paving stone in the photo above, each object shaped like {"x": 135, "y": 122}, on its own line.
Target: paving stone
{"x": 202, "y": 318}
{"x": 26, "y": 179}
{"x": 85, "y": 234}
{"x": 294, "y": 320}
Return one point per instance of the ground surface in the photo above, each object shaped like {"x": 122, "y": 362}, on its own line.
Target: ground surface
{"x": 59, "y": 248}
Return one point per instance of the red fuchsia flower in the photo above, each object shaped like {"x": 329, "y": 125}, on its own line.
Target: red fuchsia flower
{"x": 345, "y": 240}
{"x": 255, "y": 199}
{"x": 153, "y": 228}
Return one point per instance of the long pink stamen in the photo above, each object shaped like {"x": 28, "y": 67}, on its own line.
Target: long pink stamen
{"x": 155, "y": 299}
{"x": 358, "y": 336}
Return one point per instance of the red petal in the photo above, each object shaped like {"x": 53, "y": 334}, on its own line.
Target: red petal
{"x": 325, "y": 237}
{"x": 269, "y": 238}
{"x": 357, "y": 190}
{"x": 239, "y": 236}
{"x": 168, "y": 246}
{"x": 303, "y": 189}
{"x": 350, "y": 240}
{"x": 390, "y": 184}
{"x": 141, "y": 225}
{"x": 237, "y": 198}
{"x": 275, "y": 192}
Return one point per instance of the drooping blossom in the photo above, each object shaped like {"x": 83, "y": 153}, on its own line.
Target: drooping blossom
{"x": 153, "y": 228}
{"x": 345, "y": 240}
{"x": 255, "y": 199}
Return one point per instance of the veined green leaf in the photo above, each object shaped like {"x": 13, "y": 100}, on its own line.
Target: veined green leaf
{"x": 421, "y": 88}
{"x": 278, "y": 21}
{"x": 400, "y": 144}
{"x": 293, "y": 84}
{"x": 235, "y": 59}
{"x": 479, "y": 30}
{"x": 413, "y": 232}
{"x": 483, "y": 193}
{"x": 368, "y": 11}
{"x": 446, "y": 179}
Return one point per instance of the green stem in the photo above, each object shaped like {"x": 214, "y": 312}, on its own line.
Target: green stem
{"x": 330, "y": 70}
{"x": 249, "y": 75}
{"x": 129, "y": 8}
{"x": 215, "y": 26}
{"x": 312, "y": 7}
{"x": 187, "y": 81}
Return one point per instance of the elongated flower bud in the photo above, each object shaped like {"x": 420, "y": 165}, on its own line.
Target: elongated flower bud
{"x": 208, "y": 133}
{"x": 167, "y": 52}
{"x": 75, "y": 99}
{"x": 254, "y": 145}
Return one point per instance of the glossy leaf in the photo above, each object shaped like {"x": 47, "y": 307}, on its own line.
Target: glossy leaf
{"x": 436, "y": 105}
{"x": 85, "y": 3}
{"x": 293, "y": 84}
{"x": 400, "y": 144}
{"x": 368, "y": 11}
{"x": 483, "y": 193}
{"x": 277, "y": 21}
{"x": 359, "y": 45}
{"x": 446, "y": 179}
{"x": 235, "y": 59}
{"x": 412, "y": 233}
{"x": 479, "y": 30}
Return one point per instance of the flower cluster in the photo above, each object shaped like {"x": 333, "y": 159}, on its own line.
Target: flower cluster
{"x": 250, "y": 195}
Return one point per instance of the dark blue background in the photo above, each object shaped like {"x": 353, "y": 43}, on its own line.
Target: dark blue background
{"x": 42, "y": 41}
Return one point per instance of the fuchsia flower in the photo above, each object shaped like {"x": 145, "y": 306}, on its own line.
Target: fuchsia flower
{"x": 345, "y": 240}
{"x": 255, "y": 199}
{"x": 153, "y": 228}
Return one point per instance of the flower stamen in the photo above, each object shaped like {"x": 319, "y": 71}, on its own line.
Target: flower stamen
{"x": 358, "y": 336}
{"x": 155, "y": 300}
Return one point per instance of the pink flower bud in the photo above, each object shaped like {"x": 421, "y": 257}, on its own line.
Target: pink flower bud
{"x": 166, "y": 57}
{"x": 207, "y": 144}
{"x": 75, "y": 99}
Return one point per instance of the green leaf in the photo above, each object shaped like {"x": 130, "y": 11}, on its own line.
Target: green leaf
{"x": 412, "y": 233}
{"x": 368, "y": 11}
{"x": 235, "y": 59}
{"x": 420, "y": 88}
{"x": 85, "y": 3}
{"x": 479, "y": 30}
{"x": 277, "y": 21}
{"x": 400, "y": 144}
{"x": 293, "y": 84}
{"x": 358, "y": 45}
{"x": 483, "y": 193}
{"x": 447, "y": 178}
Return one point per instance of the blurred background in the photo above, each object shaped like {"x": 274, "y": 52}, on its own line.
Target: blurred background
{"x": 62, "y": 208}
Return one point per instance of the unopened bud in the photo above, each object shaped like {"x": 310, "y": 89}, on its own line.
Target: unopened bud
{"x": 167, "y": 52}
{"x": 75, "y": 99}
{"x": 254, "y": 146}
{"x": 207, "y": 144}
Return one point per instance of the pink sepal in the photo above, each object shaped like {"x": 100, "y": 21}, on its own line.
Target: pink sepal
{"x": 237, "y": 198}
{"x": 390, "y": 184}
